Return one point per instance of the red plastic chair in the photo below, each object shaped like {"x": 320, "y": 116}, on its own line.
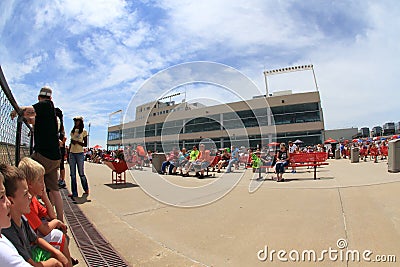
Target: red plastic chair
{"x": 118, "y": 171}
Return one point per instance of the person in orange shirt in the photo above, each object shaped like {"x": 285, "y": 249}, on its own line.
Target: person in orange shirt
{"x": 141, "y": 154}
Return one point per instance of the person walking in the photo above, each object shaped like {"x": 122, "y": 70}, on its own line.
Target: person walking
{"x": 292, "y": 150}
{"x": 76, "y": 156}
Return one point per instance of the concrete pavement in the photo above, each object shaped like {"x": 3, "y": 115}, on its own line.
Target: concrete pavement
{"x": 355, "y": 202}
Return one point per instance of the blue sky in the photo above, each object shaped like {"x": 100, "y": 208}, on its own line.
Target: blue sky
{"x": 96, "y": 54}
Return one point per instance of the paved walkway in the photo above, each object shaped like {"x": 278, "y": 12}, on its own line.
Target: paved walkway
{"x": 356, "y": 202}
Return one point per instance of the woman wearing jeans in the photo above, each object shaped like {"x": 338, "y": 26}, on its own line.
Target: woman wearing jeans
{"x": 76, "y": 157}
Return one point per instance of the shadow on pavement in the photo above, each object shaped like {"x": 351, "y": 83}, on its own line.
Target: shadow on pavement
{"x": 121, "y": 186}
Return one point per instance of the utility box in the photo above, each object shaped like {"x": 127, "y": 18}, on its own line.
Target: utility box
{"x": 337, "y": 153}
{"x": 157, "y": 160}
{"x": 355, "y": 154}
{"x": 394, "y": 156}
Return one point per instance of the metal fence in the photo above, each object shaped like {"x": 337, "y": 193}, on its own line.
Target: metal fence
{"x": 16, "y": 136}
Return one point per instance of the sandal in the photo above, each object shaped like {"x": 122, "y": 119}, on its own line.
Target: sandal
{"x": 72, "y": 196}
{"x": 74, "y": 261}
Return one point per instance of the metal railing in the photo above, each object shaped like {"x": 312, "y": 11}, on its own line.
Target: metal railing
{"x": 16, "y": 136}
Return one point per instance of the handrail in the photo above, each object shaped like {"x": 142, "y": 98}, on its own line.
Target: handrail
{"x": 7, "y": 91}
{"x": 19, "y": 127}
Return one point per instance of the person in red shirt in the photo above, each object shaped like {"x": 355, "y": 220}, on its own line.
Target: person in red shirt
{"x": 141, "y": 154}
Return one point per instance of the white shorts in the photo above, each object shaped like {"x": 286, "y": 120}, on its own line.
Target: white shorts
{"x": 56, "y": 238}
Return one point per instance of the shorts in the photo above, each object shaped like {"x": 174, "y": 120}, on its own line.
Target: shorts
{"x": 201, "y": 165}
{"x": 56, "y": 238}
{"x": 50, "y": 167}
{"x": 183, "y": 162}
{"x": 39, "y": 254}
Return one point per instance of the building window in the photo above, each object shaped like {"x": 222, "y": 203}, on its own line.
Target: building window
{"x": 114, "y": 135}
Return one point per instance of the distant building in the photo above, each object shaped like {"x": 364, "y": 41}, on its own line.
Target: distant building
{"x": 397, "y": 126}
{"x": 341, "y": 134}
{"x": 364, "y": 132}
{"x": 377, "y": 131}
{"x": 389, "y": 128}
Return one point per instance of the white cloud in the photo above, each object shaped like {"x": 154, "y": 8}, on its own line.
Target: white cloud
{"x": 65, "y": 59}
{"x": 134, "y": 38}
{"x": 47, "y": 16}
{"x": 357, "y": 80}
{"x": 238, "y": 23}
{"x": 7, "y": 8}
{"x": 29, "y": 65}
{"x": 95, "y": 13}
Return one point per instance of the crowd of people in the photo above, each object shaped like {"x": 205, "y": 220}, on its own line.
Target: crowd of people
{"x": 200, "y": 160}
{"x": 276, "y": 156}
{"x": 368, "y": 149}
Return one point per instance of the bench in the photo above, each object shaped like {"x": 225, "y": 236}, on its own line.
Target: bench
{"x": 310, "y": 159}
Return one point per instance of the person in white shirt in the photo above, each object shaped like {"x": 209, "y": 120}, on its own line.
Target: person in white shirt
{"x": 292, "y": 149}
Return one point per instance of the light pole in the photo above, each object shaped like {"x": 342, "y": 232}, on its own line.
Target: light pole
{"x": 88, "y": 136}
{"x": 109, "y": 125}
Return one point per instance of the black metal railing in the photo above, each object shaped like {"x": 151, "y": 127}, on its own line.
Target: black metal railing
{"x": 16, "y": 135}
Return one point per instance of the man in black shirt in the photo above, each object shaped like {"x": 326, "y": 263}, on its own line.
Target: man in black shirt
{"x": 46, "y": 143}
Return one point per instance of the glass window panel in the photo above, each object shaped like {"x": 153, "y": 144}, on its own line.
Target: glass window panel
{"x": 245, "y": 114}
{"x": 230, "y": 116}
{"x": 233, "y": 124}
{"x": 260, "y": 112}
{"x": 250, "y": 122}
